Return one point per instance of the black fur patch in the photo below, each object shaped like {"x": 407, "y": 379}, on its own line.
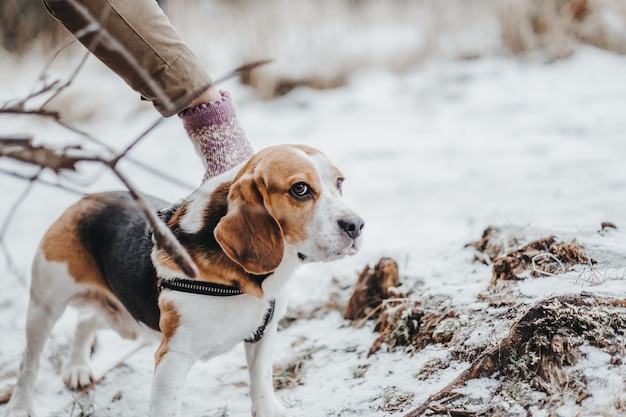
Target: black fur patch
{"x": 118, "y": 237}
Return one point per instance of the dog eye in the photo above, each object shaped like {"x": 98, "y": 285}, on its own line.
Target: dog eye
{"x": 340, "y": 184}
{"x": 301, "y": 190}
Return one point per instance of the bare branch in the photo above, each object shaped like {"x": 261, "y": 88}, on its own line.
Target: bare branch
{"x": 17, "y": 203}
{"x": 162, "y": 234}
{"x": 11, "y": 264}
{"x": 163, "y": 175}
{"x": 106, "y": 37}
{"x": 122, "y": 154}
{"x": 7, "y": 222}
{"x": 23, "y": 150}
{"x": 42, "y": 181}
{"x": 38, "y": 112}
{"x": 243, "y": 69}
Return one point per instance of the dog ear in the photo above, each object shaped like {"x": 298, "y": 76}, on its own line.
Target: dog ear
{"x": 248, "y": 233}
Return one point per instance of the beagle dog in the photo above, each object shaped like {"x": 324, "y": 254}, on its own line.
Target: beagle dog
{"x": 246, "y": 230}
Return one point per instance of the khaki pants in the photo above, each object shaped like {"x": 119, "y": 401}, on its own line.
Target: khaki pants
{"x": 136, "y": 40}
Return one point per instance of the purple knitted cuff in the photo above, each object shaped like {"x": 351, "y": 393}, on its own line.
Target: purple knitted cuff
{"x": 215, "y": 132}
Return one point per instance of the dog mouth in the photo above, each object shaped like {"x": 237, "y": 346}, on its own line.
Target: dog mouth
{"x": 347, "y": 251}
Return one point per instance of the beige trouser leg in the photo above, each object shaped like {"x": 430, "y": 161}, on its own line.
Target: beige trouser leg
{"x": 136, "y": 40}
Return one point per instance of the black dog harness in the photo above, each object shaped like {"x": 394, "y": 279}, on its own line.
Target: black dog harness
{"x": 217, "y": 290}
{"x": 207, "y": 288}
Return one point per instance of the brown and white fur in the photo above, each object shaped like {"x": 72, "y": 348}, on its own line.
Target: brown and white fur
{"x": 249, "y": 228}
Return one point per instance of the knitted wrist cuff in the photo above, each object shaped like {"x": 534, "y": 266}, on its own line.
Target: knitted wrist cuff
{"x": 215, "y": 132}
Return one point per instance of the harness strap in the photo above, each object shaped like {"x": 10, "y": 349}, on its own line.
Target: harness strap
{"x": 258, "y": 334}
{"x": 199, "y": 287}
{"x": 217, "y": 290}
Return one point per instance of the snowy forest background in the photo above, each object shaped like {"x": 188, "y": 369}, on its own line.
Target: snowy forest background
{"x": 482, "y": 141}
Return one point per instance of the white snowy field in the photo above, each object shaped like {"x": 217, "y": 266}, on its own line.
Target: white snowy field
{"x": 431, "y": 159}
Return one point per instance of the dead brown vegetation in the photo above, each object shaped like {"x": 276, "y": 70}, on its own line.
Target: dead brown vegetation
{"x": 372, "y": 287}
{"x": 557, "y": 27}
{"x": 494, "y": 243}
{"x": 401, "y": 323}
{"x": 289, "y": 374}
{"x": 539, "y": 347}
{"x": 297, "y": 34}
{"x": 545, "y": 256}
{"x": 409, "y": 327}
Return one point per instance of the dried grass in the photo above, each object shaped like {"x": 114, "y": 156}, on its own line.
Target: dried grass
{"x": 372, "y": 288}
{"x": 538, "y": 349}
{"x": 558, "y": 27}
{"x": 290, "y": 373}
{"x": 320, "y": 44}
{"x": 410, "y": 328}
{"x": 495, "y": 242}
{"x": 544, "y": 256}
{"x": 394, "y": 400}
{"x": 401, "y": 322}
{"x": 541, "y": 257}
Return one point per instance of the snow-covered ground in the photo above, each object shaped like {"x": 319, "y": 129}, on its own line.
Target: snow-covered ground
{"x": 431, "y": 158}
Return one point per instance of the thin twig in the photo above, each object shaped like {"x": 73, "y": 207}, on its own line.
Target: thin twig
{"x": 7, "y": 222}
{"x": 59, "y": 161}
{"x": 37, "y": 112}
{"x": 46, "y": 88}
{"x": 106, "y": 37}
{"x": 68, "y": 82}
{"x": 11, "y": 264}
{"x": 43, "y": 182}
{"x": 160, "y": 174}
{"x": 122, "y": 154}
{"x": 18, "y": 201}
{"x": 162, "y": 234}
{"x": 547, "y": 255}
{"x": 242, "y": 69}
{"x": 384, "y": 303}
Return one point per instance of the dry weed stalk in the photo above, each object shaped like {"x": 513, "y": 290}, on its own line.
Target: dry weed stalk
{"x": 289, "y": 374}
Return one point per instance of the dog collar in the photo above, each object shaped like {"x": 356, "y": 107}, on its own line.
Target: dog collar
{"x": 199, "y": 287}
{"x": 218, "y": 290}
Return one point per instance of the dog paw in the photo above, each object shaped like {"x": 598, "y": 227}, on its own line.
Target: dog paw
{"x": 77, "y": 377}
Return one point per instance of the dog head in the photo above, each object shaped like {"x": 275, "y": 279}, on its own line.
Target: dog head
{"x": 287, "y": 201}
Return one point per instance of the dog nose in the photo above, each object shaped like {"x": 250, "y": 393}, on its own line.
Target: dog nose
{"x": 352, "y": 226}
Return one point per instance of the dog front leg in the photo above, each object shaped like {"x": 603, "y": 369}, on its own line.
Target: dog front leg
{"x": 260, "y": 367}
{"x": 168, "y": 382}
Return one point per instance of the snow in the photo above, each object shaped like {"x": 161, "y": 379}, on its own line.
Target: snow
{"x": 431, "y": 158}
